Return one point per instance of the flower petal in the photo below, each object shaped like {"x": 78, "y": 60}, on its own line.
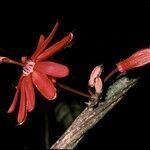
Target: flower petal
{"x": 41, "y": 40}
{"x": 137, "y": 59}
{"x": 55, "y": 48}
{"x": 43, "y": 45}
{"x": 96, "y": 72}
{"x": 98, "y": 85}
{"x": 51, "y": 68}
{"x": 14, "y": 103}
{"x": 22, "y": 107}
{"x": 44, "y": 85}
{"x": 30, "y": 95}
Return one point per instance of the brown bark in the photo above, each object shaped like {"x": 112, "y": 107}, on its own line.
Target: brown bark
{"x": 90, "y": 116}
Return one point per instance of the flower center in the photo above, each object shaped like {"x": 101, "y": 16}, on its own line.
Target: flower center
{"x": 28, "y": 68}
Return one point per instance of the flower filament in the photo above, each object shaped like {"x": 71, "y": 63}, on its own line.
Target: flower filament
{"x": 28, "y": 68}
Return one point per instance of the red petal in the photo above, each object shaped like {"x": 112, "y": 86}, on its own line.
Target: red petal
{"x": 22, "y": 107}
{"x": 30, "y": 95}
{"x": 13, "y": 105}
{"x": 96, "y": 72}
{"x": 44, "y": 85}
{"x": 51, "y": 68}
{"x": 137, "y": 59}
{"x": 55, "y": 48}
{"x": 98, "y": 85}
{"x": 43, "y": 45}
{"x": 41, "y": 40}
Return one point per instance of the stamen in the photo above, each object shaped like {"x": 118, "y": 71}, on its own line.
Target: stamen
{"x": 28, "y": 68}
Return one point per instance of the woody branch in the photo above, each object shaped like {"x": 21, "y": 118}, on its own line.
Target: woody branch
{"x": 89, "y": 117}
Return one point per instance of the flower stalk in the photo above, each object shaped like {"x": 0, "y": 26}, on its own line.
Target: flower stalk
{"x": 10, "y": 61}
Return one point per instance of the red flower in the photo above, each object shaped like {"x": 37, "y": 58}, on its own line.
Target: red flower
{"x": 41, "y": 73}
{"x": 138, "y": 59}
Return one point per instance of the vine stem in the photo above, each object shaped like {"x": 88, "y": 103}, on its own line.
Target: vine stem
{"x": 91, "y": 116}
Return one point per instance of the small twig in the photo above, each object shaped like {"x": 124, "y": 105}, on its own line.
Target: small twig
{"x": 88, "y": 118}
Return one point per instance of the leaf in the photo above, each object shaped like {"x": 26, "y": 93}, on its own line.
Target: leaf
{"x": 66, "y": 113}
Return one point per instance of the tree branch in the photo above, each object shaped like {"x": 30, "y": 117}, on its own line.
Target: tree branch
{"x": 90, "y": 116}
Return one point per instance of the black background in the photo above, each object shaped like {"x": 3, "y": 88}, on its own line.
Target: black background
{"x": 105, "y": 32}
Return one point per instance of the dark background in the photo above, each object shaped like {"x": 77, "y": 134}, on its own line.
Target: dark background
{"x": 105, "y": 32}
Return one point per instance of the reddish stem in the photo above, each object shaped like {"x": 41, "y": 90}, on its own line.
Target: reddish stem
{"x": 110, "y": 74}
{"x": 10, "y": 61}
{"x": 73, "y": 90}
{"x": 82, "y": 93}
